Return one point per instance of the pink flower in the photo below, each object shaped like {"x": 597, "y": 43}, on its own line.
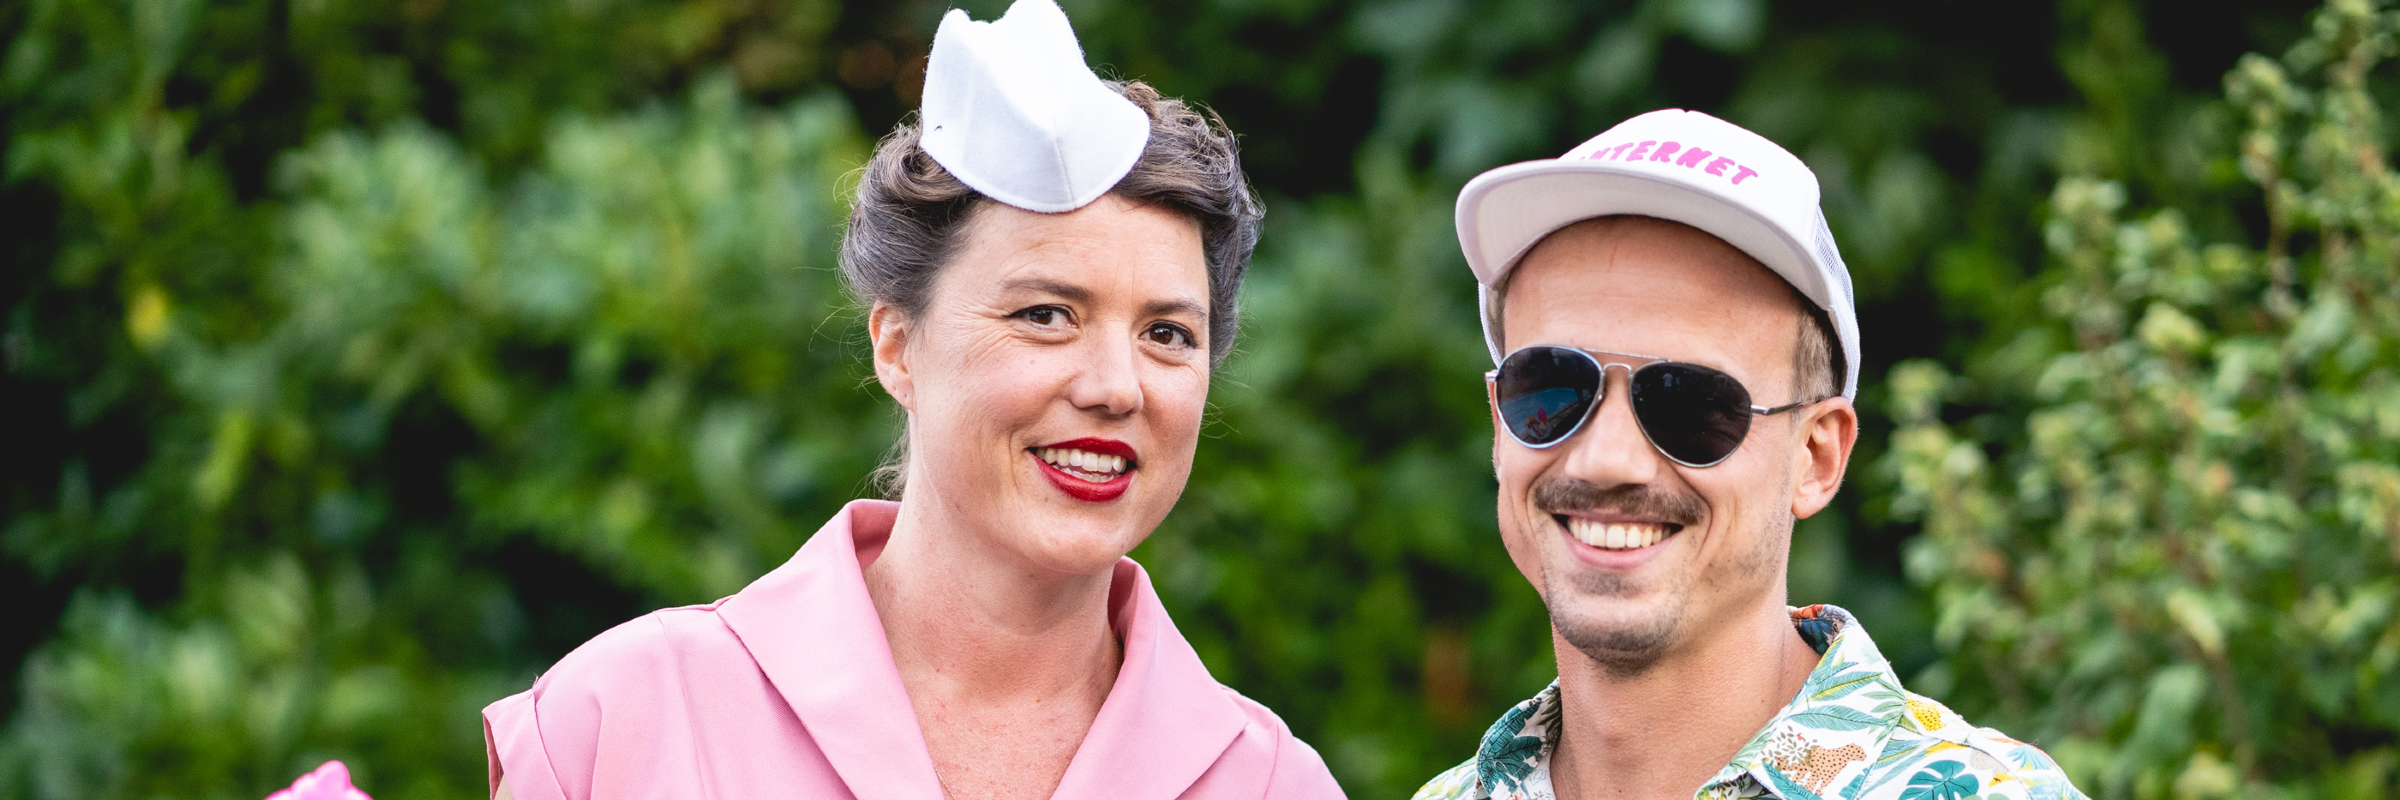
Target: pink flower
{"x": 329, "y": 782}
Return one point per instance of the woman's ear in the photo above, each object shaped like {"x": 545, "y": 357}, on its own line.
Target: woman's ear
{"x": 887, "y": 331}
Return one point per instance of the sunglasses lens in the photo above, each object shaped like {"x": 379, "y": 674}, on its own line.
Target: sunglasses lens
{"x": 1694, "y": 414}
{"x": 1544, "y": 391}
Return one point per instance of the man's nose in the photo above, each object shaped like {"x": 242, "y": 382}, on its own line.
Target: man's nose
{"x": 1610, "y": 450}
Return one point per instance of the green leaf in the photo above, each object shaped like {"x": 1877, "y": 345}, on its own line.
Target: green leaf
{"x": 1838, "y": 718}
{"x": 1940, "y": 781}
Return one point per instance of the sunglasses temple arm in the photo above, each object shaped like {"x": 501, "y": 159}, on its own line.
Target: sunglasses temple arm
{"x": 1764, "y": 411}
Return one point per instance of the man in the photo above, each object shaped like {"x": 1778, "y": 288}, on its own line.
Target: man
{"x": 1677, "y": 359}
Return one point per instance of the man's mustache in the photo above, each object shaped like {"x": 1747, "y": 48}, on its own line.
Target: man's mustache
{"x": 1568, "y": 495}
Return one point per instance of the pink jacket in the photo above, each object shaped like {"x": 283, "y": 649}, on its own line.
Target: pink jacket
{"x": 787, "y": 690}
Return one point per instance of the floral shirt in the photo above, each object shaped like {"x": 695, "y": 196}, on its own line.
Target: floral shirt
{"x": 1851, "y": 733}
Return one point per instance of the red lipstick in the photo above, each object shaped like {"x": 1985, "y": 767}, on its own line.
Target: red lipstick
{"x": 1079, "y": 488}
{"x": 1106, "y": 447}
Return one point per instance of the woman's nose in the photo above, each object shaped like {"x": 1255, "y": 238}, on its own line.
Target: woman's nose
{"x": 1109, "y": 381}
{"x": 1610, "y": 450}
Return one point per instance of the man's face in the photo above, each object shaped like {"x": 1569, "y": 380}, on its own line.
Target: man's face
{"x": 1722, "y": 533}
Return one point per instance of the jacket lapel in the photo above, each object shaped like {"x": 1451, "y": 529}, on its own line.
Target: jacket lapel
{"x": 814, "y": 632}
{"x": 1166, "y": 721}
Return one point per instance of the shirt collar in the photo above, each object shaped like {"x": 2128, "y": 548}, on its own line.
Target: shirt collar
{"x": 814, "y": 631}
{"x": 1852, "y": 699}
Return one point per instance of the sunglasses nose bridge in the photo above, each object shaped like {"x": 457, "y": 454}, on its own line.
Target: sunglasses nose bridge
{"x": 1617, "y": 389}
{"x": 1611, "y": 448}
{"x": 1611, "y": 387}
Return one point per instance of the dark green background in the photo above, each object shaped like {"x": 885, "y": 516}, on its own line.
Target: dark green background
{"x": 363, "y": 358}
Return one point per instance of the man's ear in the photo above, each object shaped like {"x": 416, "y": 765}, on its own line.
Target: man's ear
{"x": 887, "y": 332}
{"x": 1828, "y": 433}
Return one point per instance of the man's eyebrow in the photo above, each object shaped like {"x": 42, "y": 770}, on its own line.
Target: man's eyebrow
{"x": 1046, "y": 286}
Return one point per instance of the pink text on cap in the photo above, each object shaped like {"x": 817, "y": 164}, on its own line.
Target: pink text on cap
{"x": 1675, "y": 153}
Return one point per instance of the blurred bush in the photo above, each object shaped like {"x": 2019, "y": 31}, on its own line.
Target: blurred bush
{"x": 625, "y": 349}
{"x": 364, "y": 358}
{"x": 2168, "y": 545}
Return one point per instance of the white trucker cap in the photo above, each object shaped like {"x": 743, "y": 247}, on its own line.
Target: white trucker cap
{"x": 1671, "y": 164}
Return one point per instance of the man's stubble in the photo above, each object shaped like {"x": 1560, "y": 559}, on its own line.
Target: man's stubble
{"x": 1631, "y": 647}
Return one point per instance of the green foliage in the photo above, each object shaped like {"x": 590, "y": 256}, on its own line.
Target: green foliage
{"x": 630, "y": 335}
{"x": 359, "y": 392}
{"x": 2169, "y": 553}
{"x": 371, "y": 355}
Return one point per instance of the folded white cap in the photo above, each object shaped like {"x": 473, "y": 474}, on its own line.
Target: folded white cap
{"x": 1011, "y": 109}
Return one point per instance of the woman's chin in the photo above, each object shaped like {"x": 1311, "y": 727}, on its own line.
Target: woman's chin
{"x": 1079, "y": 547}
{"x": 1070, "y": 534}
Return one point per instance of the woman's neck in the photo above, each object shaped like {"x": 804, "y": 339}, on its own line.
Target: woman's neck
{"x": 1006, "y": 665}
{"x": 967, "y": 617}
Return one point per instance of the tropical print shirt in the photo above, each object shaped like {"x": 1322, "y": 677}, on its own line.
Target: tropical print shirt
{"x": 1850, "y": 734}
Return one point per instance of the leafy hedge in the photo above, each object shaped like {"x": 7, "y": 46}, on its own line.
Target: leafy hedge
{"x": 2182, "y": 568}
{"x": 366, "y": 357}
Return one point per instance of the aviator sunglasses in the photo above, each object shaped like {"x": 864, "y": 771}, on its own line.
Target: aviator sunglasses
{"x": 1694, "y": 415}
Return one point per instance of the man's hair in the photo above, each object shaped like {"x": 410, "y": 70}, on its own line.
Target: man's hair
{"x": 1817, "y": 366}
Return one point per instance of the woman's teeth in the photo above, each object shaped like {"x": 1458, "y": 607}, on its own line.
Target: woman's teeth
{"x": 1617, "y": 535}
{"x": 1083, "y": 464}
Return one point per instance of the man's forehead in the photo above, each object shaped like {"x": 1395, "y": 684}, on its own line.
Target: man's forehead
{"x": 1638, "y": 283}
{"x": 1649, "y": 237}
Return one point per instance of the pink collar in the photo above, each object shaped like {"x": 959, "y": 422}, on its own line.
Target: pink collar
{"x": 814, "y": 631}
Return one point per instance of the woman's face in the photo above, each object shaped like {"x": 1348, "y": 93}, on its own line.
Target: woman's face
{"x": 1055, "y": 381}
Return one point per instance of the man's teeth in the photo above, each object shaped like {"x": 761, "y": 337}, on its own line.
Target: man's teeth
{"x": 1083, "y": 464}
{"x": 1616, "y": 535}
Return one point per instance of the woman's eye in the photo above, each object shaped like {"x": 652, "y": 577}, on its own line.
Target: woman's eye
{"x": 1043, "y": 315}
{"x": 1170, "y": 334}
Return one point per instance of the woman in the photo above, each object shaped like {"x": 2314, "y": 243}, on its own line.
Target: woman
{"x": 1051, "y": 264}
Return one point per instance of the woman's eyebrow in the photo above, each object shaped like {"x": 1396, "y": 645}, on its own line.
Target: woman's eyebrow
{"x": 1078, "y": 294}
{"x": 1067, "y": 291}
{"x": 1163, "y": 308}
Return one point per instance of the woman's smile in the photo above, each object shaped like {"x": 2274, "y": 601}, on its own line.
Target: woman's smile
{"x": 1088, "y": 469}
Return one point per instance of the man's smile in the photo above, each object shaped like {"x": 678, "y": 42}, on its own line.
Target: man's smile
{"x": 1616, "y": 534}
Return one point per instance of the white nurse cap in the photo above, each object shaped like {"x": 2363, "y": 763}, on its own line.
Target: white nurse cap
{"x": 1013, "y": 112}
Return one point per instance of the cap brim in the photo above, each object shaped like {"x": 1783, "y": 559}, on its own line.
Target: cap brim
{"x": 1504, "y": 212}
